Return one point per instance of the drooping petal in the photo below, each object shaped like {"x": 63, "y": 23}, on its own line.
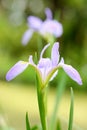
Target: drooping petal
{"x": 18, "y": 68}
{"x": 48, "y": 13}
{"x": 27, "y": 36}
{"x": 55, "y": 54}
{"x": 72, "y": 73}
{"x": 34, "y": 22}
{"x": 43, "y": 50}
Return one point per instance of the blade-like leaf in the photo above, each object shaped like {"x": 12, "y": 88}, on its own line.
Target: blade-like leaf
{"x": 70, "y": 126}
{"x": 35, "y": 128}
{"x": 58, "y": 127}
{"x": 59, "y": 92}
{"x": 27, "y": 122}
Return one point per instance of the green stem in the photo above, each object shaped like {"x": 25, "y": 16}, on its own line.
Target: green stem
{"x": 59, "y": 92}
{"x": 42, "y": 105}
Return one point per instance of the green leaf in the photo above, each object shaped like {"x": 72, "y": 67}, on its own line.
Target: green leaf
{"x": 27, "y": 122}
{"x": 58, "y": 127}
{"x": 41, "y": 104}
{"x": 35, "y": 128}
{"x": 70, "y": 126}
{"x": 59, "y": 92}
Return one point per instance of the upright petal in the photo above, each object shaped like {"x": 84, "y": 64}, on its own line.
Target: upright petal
{"x": 44, "y": 67}
{"x": 18, "y": 68}
{"x": 31, "y": 59}
{"x": 43, "y": 50}
{"x": 72, "y": 73}
{"x": 27, "y": 36}
{"x": 55, "y": 54}
{"x": 61, "y": 61}
{"x": 48, "y": 13}
{"x": 34, "y": 22}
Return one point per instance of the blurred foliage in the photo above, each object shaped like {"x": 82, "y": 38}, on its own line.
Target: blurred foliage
{"x": 13, "y": 23}
{"x": 3, "y": 125}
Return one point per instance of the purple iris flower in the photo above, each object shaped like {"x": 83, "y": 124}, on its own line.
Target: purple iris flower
{"x": 47, "y": 68}
{"x": 44, "y": 28}
{"x": 51, "y": 27}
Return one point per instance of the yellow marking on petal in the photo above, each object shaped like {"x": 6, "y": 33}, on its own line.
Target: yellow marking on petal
{"x": 24, "y": 62}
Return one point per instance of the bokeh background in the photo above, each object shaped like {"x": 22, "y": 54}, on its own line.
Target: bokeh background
{"x": 19, "y": 95}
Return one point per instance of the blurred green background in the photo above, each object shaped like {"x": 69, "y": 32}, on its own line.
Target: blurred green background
{"x": 73, "y": 46}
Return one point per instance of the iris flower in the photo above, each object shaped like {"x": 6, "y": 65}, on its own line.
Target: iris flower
{"x": 46, "y": 68}
{"x": 44, "y": 28}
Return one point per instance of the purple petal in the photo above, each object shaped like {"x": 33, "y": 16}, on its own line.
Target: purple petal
{"x": 44, "y": 63}
{"x": 61, "y": 61}
{"x": 51, "y": 27}
{"x": 44, "y": 66}
{"x": 48, "y": 13}
{"x": 72, "y": 73}
{"x": 55, "y": 54}
{"x": 34, "y": 22}
{"x": 37, "y": 70}
{"x": 54, "y": 75}
{"x": 31, "y": 61}
{"x": 18, "y": 68}
{"x": 27, "y": 36}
